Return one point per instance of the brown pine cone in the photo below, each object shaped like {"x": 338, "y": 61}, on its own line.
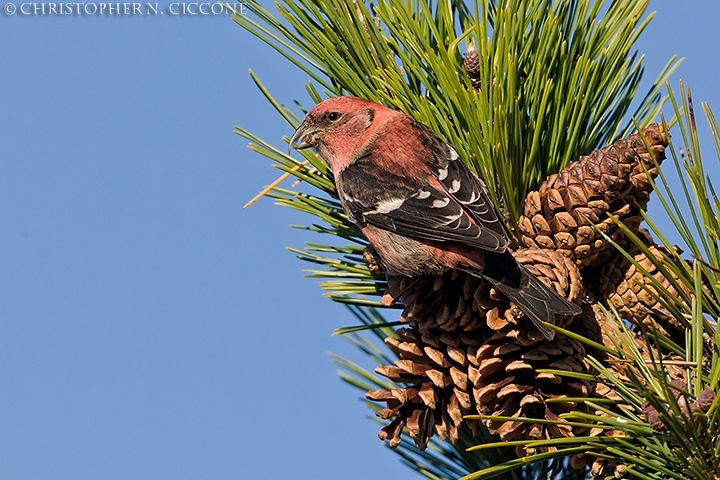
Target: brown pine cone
{"x": 633, "y": 294}
{"x": 452, "y": 302}
{"x": 705, "y": 399}
{"x": 446, "y": 376}
{"x": 612, "y": 338}
{"x": 508, "y": 384}
{"x": 613, "y": 180}
{"x": 554, "y": 270}
{"x": 600, "y": 466}
{"x": 471, "y": 64}
{"x": 437, "y": 392}
{"x": 459, "y": 302}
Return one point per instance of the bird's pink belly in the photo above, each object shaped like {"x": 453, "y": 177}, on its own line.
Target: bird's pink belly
{"x": 411, "y": 258}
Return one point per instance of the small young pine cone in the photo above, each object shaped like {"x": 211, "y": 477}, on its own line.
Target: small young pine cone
{"x": 471, "y": 64}
{"x": 705, "y": 399}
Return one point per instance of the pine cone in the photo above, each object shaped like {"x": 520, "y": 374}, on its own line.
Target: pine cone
{"x": 446, "y": 376}
{"x": 705, "y": 399}
{"x": 632, "y": 293}
{"x": 437, "y": 393}
{"x": 452, "y": 302}
{"x": 687, "y": 407}
{"x": 612, "y": 180}
{"x": 611, "y": 338}
{"x": 471, "y": 64}
{"x": 507, "y": 384}
{"x": 600, "y": 466}
{"x": 459, "y": 302}
{"x": 554, "y": 270}
{"x": 593, "y": 324}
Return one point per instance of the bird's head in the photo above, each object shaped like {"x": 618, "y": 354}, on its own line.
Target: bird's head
{"x": 337, "y": 127}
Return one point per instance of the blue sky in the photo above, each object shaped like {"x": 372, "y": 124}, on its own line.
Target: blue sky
{"x": 149, "y": 326}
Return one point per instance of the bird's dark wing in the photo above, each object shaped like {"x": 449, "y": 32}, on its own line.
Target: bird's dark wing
{"x": 460, "y": 183}
{"x": 449, "y": 204}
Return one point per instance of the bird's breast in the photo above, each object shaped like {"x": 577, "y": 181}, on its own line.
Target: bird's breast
{"x": 412, "y": 258}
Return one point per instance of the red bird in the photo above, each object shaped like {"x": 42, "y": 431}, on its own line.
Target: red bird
{"x": 417, "y": 203}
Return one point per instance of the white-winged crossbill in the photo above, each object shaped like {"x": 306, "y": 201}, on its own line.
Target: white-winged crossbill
{"x": 417, "y": 203}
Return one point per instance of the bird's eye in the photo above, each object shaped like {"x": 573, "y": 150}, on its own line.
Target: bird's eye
{"x": 332, "y": 116}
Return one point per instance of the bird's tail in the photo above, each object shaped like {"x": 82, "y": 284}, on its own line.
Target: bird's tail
{"x": 524, "y": 289}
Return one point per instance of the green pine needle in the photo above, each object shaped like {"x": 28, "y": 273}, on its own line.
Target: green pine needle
{"x": 557, "y": 80}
